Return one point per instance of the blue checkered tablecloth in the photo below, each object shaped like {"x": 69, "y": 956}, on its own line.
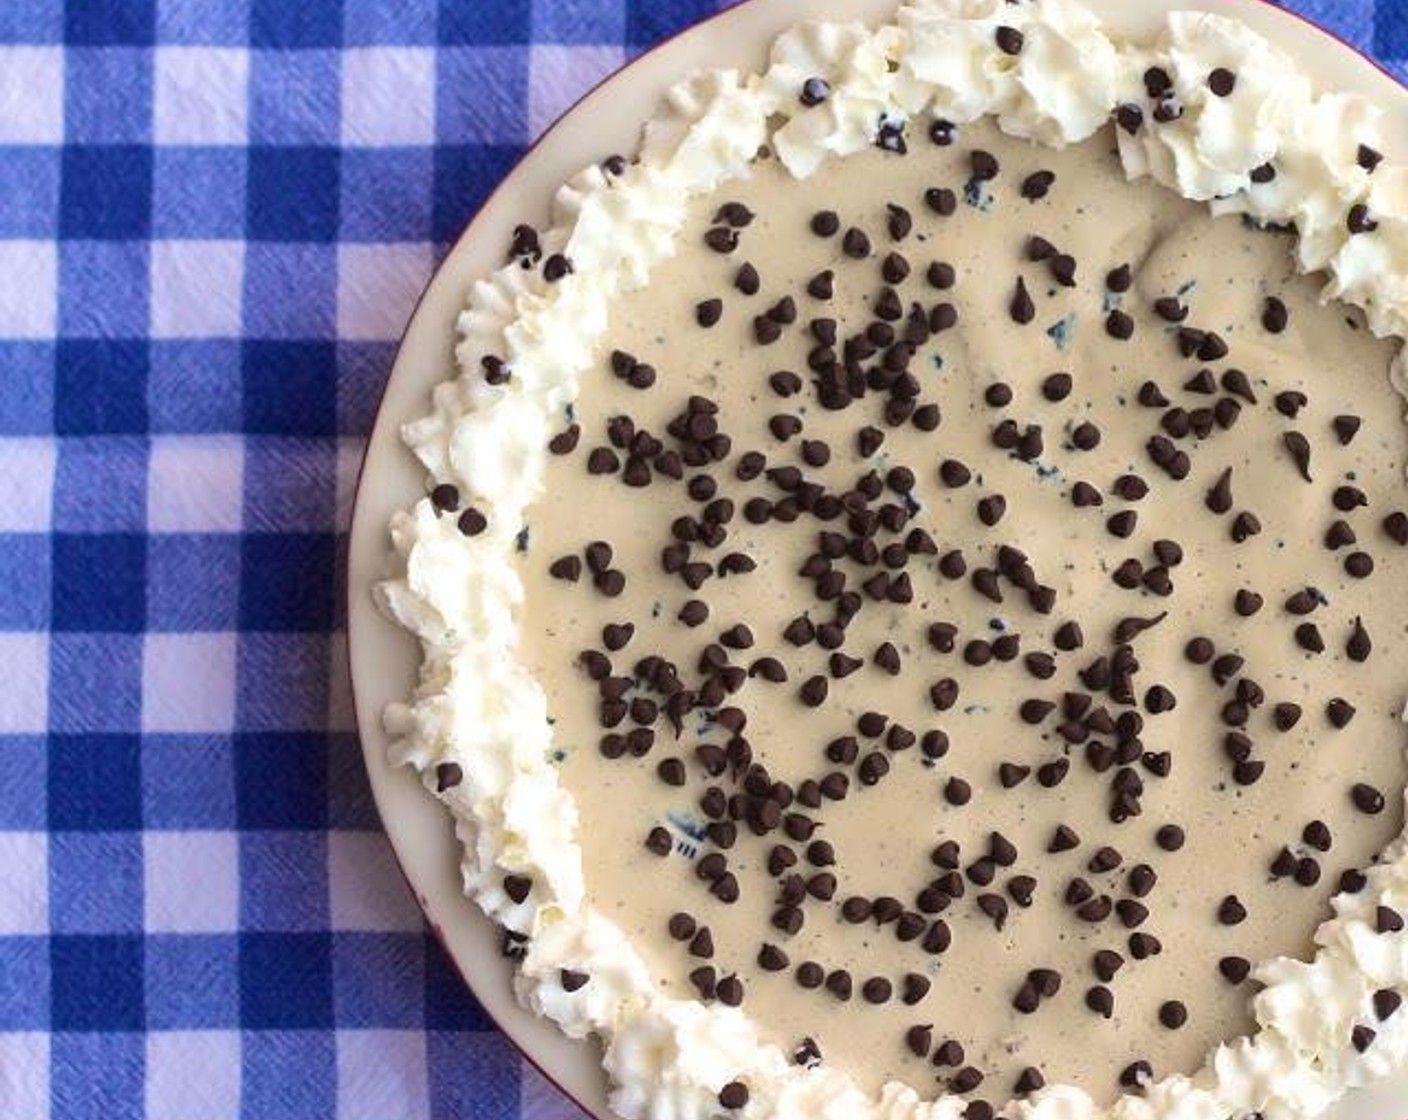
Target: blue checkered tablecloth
{"x": 215, "y": 216}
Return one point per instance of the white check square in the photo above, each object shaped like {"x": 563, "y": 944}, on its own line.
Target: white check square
{"x": 27, "y": 485}
{"x": 24, "y": 1076}
{"x": 377, "y": 288}
{"x": 29, "y": 297}
{"x": 32, "y": 78}
{"x": 381, "y": 1074}
{"x": 191, "y": 882}
{"x": 24, "y": 884}
{"x": 388, "y": 96}
{"x": 188, "y": 683}
{"x": 201, "y": 96}
{"x": 25, "y": 708}
{"x": 196, "y": 289}
{"x": 559, "y": 75}
{"x": 193, "y": 1075}
{"x": 195, "y": 484}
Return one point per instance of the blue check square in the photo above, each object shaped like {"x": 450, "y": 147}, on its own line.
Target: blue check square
{"x": 350, "y": 803}
{"x": 295, "y": 99}
{"x": 481, "y": 1080}
{"x": 205, "y": 22}
{"x": 377, "y": 980}
{"x": 268, "y": 1092}
{"x": 90, "y": 305}
{"x": 648, "y": 21}
{"x": 29, "y": 191}
{"x": 449, "y": 1005}
{"x": 99, "y": 582}
{"x": 276, "y": 23}
{"x": 24, "y": 983}
{"x": 26, "y": 386}
{"x": 282, "y": 681}
{"x": 95, "y": 882}
{"x": 290, "y": 291}
{"x": 108, "y": 95}
{"x": 194, "y": 387}
{"x": 505, "y": 70}
{"x": 110, "y": 23}
{"x": 579, "y": 21}
{"x": 94, "y": 783}
{"x": 193, "y": 582}
{"x": 40, "y": 21}
{"x": 192, "y": 981}
{"x": 284, "y": 881}
{"x": 97, "y": 1076}
{"x": 290, "y": 388}
{"x": 106, "y": 192}
{"x": 285, "y": 981}
{"x": 408, "y": 23}
{"x": 281, "y": 780}
{"x": 26, "y": 571}
{"x": 188, "y": 782}
{"x": 95, "y": 683}
{"x": 289, "y": 484}
{"x": 1391, "y": 31}
{"x": 97, "y": 983}
{"x": 289, "y": 581}
{"x": 121, "y": 462}
{"x": 101, "y": 387}
{"x": 483, "y": 23}
{"x": 24, "y": 780}
{"x": 362, "y": 369}
{"x": 292, "y": 194}
{"x": 465, "y": 175}
{"x": 386, "y": 194}
{"x": 199, "y": 193}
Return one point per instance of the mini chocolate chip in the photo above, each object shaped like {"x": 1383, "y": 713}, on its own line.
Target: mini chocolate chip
{"x": 1037, "y": 185}
{"x": 1358, "y": 220}
{"x": 1021, "y": 308}
{"x": 1359, "y": 645}
{"x": 733, "y": 1096}
{"x": 1231, "y": 912}
{"x": 991, "y": 508}
{"x": 1222, "y": 82}
{"x": 1119, "y": 325}
{"x": 1285, "y": 715}
{"x": 1299, "y": 448}
{"x": 855, "y": 244}
{"x": 1367, "y": 799}
{"x": 447, "y": 776}
{"x": 814, "y": 91}
{"x": 1064, "y": 839}
{"x": 1339, "y": 712}
{"x": 1173, "y": 1014}
{"x": 1169, "y": 837}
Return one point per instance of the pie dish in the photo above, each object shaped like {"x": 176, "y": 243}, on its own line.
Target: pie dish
{"x": 693, "y": 1092}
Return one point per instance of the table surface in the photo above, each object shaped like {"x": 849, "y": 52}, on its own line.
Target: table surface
{"x": 215, "y": 216}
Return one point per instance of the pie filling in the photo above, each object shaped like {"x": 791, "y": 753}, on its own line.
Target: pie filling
{"x": 967, "y": 594}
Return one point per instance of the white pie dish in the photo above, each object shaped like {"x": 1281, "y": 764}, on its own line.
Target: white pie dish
{"x": 383, "y": 659}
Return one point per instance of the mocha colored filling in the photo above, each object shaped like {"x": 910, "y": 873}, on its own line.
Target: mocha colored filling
{"x": 969, "y": 596}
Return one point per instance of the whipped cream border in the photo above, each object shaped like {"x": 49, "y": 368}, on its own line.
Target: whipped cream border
{"x": 477, "y": 706}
